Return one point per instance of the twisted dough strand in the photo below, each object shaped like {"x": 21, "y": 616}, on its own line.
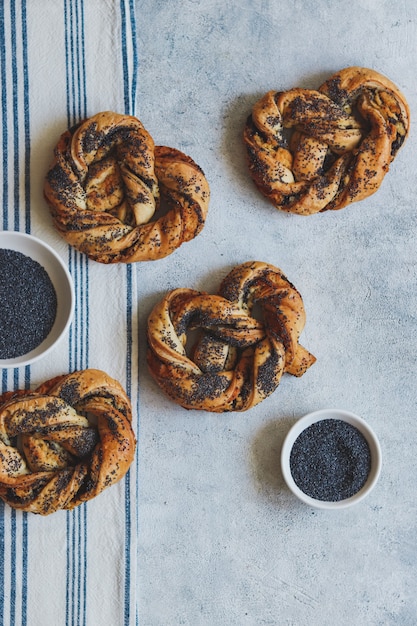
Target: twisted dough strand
{"x": 65, "y": 442}
{"x": 106, "y": 182}
{"x": 345, "y": 135}
{"x": 238, "y": 361}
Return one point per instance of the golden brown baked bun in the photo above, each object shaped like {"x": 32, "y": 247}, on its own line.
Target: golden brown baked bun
{"x": 65, "y": 442}
{"x": 344, "y": 137}
{"x": 237, "y": 361}
{"x": 107, "y": 182}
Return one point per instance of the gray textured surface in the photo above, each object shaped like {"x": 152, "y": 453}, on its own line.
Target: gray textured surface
{"x": 222, "y": 541}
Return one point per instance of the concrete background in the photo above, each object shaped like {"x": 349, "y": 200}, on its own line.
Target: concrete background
{"x": 222, "y": 542}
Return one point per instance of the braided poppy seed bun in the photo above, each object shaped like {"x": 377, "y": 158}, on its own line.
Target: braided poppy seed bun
{"x": 238, "y": 361}
{"x": 105, "y": 186}
{"x": 65, "y": 442}
{"x": 344, "y": 137}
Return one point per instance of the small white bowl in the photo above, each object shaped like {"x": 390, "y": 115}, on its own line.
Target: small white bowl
{"x": 349, "y": 418}
{"x": 60, "y": 277}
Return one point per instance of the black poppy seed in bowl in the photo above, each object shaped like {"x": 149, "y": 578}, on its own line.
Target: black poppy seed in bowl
{"x": 28, "y": 304}
{"x": 330, "y": 460}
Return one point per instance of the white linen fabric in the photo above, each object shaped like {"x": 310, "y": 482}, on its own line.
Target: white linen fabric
{"x": 62, "y": 61}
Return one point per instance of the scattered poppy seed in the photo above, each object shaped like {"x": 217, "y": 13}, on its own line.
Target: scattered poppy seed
{"x": 28, "y": 304}
{"x": 330, "y": 460}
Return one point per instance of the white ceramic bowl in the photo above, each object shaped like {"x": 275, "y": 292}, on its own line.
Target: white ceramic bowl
{"x": 350, "y": 418}
{"x": 61, "y": 279}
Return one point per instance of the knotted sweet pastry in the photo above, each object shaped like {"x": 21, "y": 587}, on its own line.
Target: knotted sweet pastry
{"x": 65, "y": 442}
{"x": 344, "y": 137}
{"x": 238, "y": 360}
{"x": 108, "y": 182}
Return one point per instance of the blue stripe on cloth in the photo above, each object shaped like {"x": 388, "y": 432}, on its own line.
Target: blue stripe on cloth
{"x": 74, "y": 343}
{"x": 72, "y": 580}
{"x": 67, "y": 55}
{"x": 135, "y": 55}
{"x": 81, "y": 72}
{"x": 71, "y": 329}
{"x": 128, "y": 20}
{"x": 13, "y": 567}
{"x": 77, "y": 70}
{"x": 84, "y": 285}
{"x": 129, "y": 90}
{"x": 5, "y": 132}
{"x": 87, "y": 313}
{"x": 67, "y": 571}
{"x": 79, "y": 268}
{"x": 15, "y": 112}
{"x": 125, "y": 59}
{"x": 27, "y": 377}
{"x": 2, "y": 561}
{"x": 25, "y": 546}
{"x": 77, "y": 514}
{"x": 83, "y": 98}
{"x": 27, "y": 225}
{"x": 71, "y": 58}
{"x": 84, "y": 605}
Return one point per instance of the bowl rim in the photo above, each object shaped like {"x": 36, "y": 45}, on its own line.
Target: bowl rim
{"x": 17, "y": 241}
{"x": 351, "y": 418}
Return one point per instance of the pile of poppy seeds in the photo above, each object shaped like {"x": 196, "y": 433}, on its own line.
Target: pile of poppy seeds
{"x": 330, "y": 460}
{"x": 28, "y": 304}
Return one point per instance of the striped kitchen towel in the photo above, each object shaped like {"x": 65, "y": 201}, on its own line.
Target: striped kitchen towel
{"x": 62, "y": 61}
